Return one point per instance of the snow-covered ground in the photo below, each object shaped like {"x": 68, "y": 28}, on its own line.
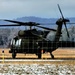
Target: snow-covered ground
{"x": 36, "y": 69}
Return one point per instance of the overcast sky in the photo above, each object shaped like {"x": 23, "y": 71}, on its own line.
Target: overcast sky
{"x": 11, "y": 9}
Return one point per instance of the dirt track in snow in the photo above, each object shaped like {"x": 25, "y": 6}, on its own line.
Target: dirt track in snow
{"x": 66, "y": 53}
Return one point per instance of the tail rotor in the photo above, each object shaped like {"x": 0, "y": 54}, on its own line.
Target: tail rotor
{"x": 64, "y": 21}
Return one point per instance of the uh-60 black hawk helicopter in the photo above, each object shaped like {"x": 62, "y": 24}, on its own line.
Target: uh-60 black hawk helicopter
{"x": 31, "y": 41}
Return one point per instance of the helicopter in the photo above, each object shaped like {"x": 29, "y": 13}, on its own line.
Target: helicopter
{"x": 32, "y": 41}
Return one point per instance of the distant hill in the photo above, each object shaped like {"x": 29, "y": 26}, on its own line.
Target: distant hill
{"x": 41, "y": 20}
{"x": 38, "y": 19}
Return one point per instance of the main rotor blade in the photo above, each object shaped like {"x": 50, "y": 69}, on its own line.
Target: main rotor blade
{"x": 46, "y": 28}
{"x": 70, "y": 23}
{"x": 60, "y": 11}
{"x": 54, "y": 23}
{"x": 23, "y": 23}
{"x": 14, "y": 21}
{"x": 9, "y": 25}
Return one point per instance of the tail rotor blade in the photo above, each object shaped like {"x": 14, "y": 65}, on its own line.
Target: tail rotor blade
{"x": 66, "y": 29}
{"x": 64, "y": 20}
{"x": 60, "y": 11}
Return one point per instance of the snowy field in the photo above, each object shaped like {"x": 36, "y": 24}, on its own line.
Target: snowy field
{"x": 37, "y": 69}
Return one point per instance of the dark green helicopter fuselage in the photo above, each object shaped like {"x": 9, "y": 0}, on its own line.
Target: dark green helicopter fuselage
{"x": 27, "y": 42}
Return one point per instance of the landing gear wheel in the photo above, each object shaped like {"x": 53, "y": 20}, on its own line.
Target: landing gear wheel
{"x": 52, "y": 56}
{"x": 13, "y": 55}
{"x": 39, "y": 54}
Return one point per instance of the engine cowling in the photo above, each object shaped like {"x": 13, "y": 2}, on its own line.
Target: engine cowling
{"x": 21, "y": 33}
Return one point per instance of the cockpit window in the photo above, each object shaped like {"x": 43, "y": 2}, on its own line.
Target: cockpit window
{"x": 12, "y": 42}
{"x": 18, "y": 42}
